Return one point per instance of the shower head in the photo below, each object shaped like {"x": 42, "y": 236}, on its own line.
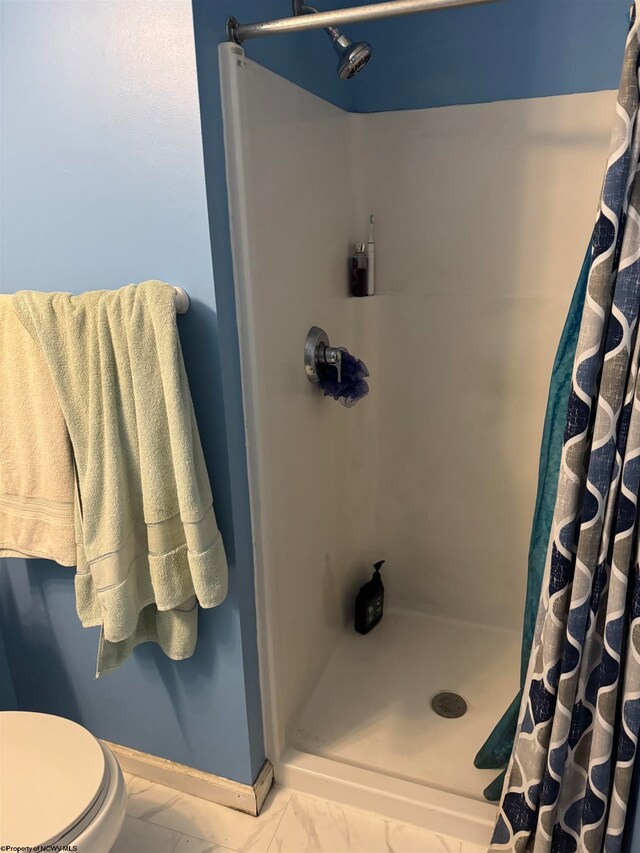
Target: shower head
{"x": 351, "y": 57}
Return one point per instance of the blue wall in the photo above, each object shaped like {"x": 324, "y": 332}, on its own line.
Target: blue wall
{"x": 490, "y": 52}
{"x": 8, "y": 701}
{"x": 103, "y": 184}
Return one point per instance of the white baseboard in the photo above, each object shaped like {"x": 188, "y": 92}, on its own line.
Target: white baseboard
{"x": 207, "y": 786}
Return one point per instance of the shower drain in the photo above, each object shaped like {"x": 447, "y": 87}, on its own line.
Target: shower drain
{"x": 448, "y": 704}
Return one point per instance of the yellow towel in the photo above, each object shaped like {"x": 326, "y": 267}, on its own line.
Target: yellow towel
{"x": 148, "y": 542}
{"x": 36, "y": 470}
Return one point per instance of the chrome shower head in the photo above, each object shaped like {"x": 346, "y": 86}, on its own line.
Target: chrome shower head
{"x": 351, "y": 57}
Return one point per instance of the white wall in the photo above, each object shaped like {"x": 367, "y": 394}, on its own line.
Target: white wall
{"x": 312, "y": 457}
{"x": 483, "y": 214}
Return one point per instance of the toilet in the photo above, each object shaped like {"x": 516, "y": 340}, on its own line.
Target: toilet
{"x": 59, "y": 785}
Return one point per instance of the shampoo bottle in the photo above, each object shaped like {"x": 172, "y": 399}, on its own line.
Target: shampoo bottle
{"x": 358, "y": 285}
{"x": 370, "y": 602}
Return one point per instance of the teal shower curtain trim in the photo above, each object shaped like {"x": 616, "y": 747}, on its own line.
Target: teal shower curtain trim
{"x": 496, "y": 750}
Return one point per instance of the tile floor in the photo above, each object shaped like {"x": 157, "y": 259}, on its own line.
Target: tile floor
{"x": 161, "y": 820}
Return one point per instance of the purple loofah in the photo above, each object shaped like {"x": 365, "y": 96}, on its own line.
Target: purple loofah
{"x": 353, "y": 386}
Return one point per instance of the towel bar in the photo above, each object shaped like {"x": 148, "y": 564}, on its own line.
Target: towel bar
{"x": 181, "y": 300}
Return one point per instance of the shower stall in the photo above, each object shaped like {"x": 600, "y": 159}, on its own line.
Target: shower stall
{"x": 435, "y": 470}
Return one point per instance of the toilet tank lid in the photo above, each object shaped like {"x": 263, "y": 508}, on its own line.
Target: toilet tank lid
{"x": 51, "y": 773}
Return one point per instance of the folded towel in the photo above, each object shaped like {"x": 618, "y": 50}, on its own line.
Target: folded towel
{"x": 148, "y": 544}
{"x": 36, "y": 469}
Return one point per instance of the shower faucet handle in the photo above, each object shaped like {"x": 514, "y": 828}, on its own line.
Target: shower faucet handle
{"x": 333, "y": 355}
{"x": 317, "y": 351}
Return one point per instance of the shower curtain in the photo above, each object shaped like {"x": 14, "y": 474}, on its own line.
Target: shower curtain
{"x": 495, "y": 752}
{"x": 568, "y": 780}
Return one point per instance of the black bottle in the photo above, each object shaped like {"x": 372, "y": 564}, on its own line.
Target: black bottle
{"x": 359, "y": 271}
{"x": 370, "y": 601}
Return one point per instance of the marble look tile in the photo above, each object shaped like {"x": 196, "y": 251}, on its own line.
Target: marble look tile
{"x": 137, "y": 836}
{"x": 402, "y": 838}
{"x": 191, "y": 844}
{"x": 312, "y": 825}
{"x": 136, "y": 784}
{"x": 318, "y": 826}
{"x": 289, "y": 824}
{"x": 144, "y": 797}
{"x": 213, "y": 823}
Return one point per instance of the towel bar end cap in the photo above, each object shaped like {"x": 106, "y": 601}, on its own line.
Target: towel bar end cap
{"x": 181, "y": 300}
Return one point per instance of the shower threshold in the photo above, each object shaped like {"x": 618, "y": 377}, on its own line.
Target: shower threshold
{"x": 369, "y": 721}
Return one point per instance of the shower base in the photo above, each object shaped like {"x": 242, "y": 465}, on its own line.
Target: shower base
{"x": 370, "y": 721}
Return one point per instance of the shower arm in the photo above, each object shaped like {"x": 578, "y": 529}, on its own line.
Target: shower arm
{"x": 239, "y": 33}
{"x": 299, "y": 7}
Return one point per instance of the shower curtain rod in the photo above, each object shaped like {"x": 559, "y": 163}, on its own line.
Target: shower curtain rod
{"x": 390, "y": 9}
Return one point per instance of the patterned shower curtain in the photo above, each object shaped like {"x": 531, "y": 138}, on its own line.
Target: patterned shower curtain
{"x": 568, "y": 780}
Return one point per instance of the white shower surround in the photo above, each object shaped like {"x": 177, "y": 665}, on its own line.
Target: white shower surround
{"x": 483, "y": 214}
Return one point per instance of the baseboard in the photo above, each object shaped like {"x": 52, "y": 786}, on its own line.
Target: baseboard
{"x": 245, "y": 798}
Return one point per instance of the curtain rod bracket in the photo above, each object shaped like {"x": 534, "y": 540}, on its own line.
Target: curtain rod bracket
{"x": 232, "y": 30}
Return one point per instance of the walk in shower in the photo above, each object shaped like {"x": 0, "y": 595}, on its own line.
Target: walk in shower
{"x": 435, "y": 470}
